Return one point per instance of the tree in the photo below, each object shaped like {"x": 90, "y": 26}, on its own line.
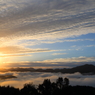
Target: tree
{"x": 45, "y": 87}
{"x": 29, "y": 89}
{"x": 59, "y": 82}
{"x": 66, "y": 81}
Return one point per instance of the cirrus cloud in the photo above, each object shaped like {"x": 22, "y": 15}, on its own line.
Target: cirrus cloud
{"x": 59, "y": 19}
{"x": 20, "y": 51}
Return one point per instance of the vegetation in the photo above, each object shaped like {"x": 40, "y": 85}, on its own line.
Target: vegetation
{"x": 60, "y": 87}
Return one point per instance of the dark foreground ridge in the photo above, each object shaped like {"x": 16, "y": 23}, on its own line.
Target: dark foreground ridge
{"x": 60, "y": 87}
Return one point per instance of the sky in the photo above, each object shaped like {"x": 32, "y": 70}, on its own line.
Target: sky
{"x": 47, "y": 33}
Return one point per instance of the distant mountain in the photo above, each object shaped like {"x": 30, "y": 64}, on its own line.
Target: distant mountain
{"x": 84, "y": 69}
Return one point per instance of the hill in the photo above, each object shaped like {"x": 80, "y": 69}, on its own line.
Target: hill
{"x": 83, "y": 69}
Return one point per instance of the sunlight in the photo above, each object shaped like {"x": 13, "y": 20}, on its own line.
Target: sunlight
{"x": 1, "y": 64}
{"x": 1, "y": 60}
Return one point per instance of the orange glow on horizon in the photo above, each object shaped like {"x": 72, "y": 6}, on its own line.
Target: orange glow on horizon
{"x": 2, "y": 61}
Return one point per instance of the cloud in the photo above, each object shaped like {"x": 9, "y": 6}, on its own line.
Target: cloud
{"x": 54, "y": 63}
{"x": 20, "y": 50}
{"x": 73, "y": 59}
{"x": 46, "y": 19}
{"x": 73, "y": 46}
{"x": 15, "y": 55}
{"x": 59, "y": 53}
{"x": 28, "y": 23}
{"x": 38, "y": 78}
{"x": 30, "y": 42}
{"x": 90, "y": 46}
{"x": 81, "y": 47}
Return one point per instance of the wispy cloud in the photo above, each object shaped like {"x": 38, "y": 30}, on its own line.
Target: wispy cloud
{"x": 47, "y": 19}
{"x": 68, "y": 62}
{"x": 73, "y": 59}
{"x": 90, "y": 46}
{"x": 14, "y": 55}
{"x": 59, "y": 53}
{"x": 21, "y": 50}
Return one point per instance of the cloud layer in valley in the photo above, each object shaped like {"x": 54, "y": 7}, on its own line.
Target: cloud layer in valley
{"x": 37, "y": 78}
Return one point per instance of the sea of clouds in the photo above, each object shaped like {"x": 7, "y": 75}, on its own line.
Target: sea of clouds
{"x": 38, "y": 77}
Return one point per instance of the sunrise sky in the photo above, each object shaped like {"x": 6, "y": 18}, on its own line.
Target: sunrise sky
{"x": 47, "y": 33}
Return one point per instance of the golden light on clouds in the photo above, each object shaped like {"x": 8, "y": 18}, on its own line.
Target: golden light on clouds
{"x": 52, "y": 29}
{"x": 1, "y": 61}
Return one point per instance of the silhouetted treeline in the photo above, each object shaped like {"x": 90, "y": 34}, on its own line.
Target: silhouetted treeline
{"x": 60, "y": 87}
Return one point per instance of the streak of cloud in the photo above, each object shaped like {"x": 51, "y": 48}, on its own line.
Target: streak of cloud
{"x": 15, "y": 55}
{"x": 73, "y": 59}
{"x": 21, "y": 50}
{"x": 54, "y": 63}
{"x": 45, "y": 17}
{"x": 59, "y": 53}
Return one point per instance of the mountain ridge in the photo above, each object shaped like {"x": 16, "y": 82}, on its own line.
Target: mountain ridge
{"x": 83, "y": 69}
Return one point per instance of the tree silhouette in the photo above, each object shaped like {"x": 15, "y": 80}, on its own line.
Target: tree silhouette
{"x": 29, "y": 89}
{"x": 45, "y": 87}
{"x": 66, "y": 81}
{"x": 59, "y": 82}
{"x": 48, "y": 88}
{"x": 8, "y": 90}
